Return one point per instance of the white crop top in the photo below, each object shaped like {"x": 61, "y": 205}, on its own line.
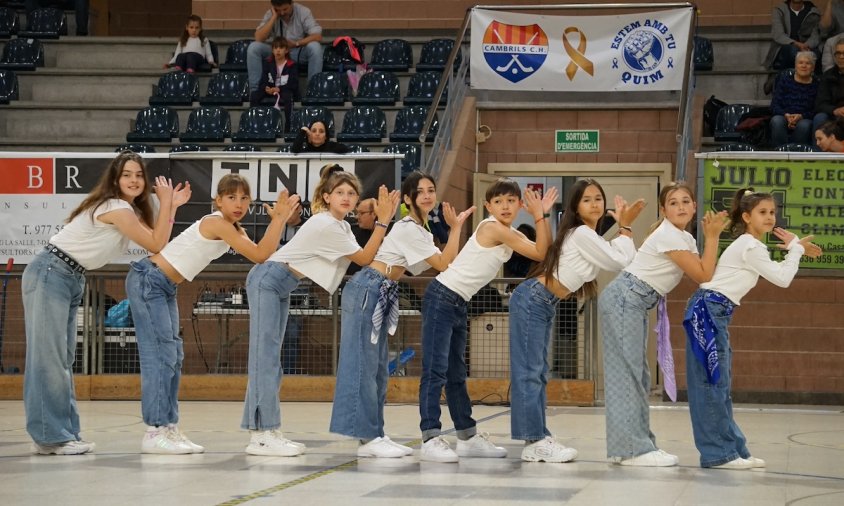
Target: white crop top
{"x": 474, "y": 266}
{"x": 407, "y": 245}
{"x": 653, "y": 266}
{"x": 585, "y": 253}
{"x": 93, "y": 243}
{"x": 741, "y": 264}
{"x": 190, "y": 252}
{"x": 319, "y": 250}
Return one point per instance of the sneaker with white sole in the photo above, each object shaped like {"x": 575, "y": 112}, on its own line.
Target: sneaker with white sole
{"x": 195, "y": 448}
{"x": 676, "y": 458}
{"x": 735, "y": 464}
{"x": 66, "y": 448}
{"x": 161, "y": 440}
{"x": 479, "y": 445}
{"x": 380, "y": 448}
{"x": 437, "y": 449}
{"x": 757, "y": 462}
{"x": 548, "y": 450}
{"x": 273, "y": 443}
{"x": 651, "y": 459}
{"x": 406, "y": 449}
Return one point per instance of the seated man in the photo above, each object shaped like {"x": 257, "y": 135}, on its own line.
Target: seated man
{"x": 829, "y": 104}
{"x": 80, "y": 6}
{"x": 794, "y": 28}
{"x": 295, "y": 23}
{"x": 832, "y": 29}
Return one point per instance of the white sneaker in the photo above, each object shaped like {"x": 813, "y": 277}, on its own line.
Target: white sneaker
{"x": 162, "y": 440}
{"x": 406, "y": 449}
{"x": 735, "y": 464}
{"x": 437, "y": 449}
{"x": 655, "y": 458}
{"x": 66, "y": 448}
{"x": 757, "y": 462}
{"x": 381, "y": 449}
{"x": 548, "y": 450}
{"x": 479, "y": 445}
{"x": 195, "y": 448}
{"x": 273, "y": 443}
{"x": 676, "y": 458}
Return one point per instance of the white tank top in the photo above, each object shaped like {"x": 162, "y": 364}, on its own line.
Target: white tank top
{"x": 190, "y": 252}
{"x": 475, "y": 266}
{"x": 91, "y": 242}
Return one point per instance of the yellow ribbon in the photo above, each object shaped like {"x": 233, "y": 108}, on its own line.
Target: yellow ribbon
{"x": 578, "y": 58}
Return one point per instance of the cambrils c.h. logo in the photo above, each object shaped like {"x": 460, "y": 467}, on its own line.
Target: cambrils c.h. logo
{"x": 514, "y": 52}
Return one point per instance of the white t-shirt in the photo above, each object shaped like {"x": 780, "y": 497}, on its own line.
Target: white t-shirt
{"x": 653, "y": 266}
{"x": 319, "y": 250}
{"x": 93, "y": 243}
{"x": 194, "y": 45}
{"x": 474, "y": 266}
{"x": 190, "y": 251}
{"x": 585, "y": 253}
{"x": 747, "y": 258}
{"x": 407, "y": 245}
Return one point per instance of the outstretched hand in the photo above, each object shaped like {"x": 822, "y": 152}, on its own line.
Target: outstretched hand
{"x": 386, "y": 204}
{"x": 284, "y": 206}
{"x": 811, "y": 249}
{"x": 625, "y": 214}
{"x": 181, "y": 194}
{"x": 452, "y": 218}
{"x": 163, "y": 188}
{"x": 714, "y": 223}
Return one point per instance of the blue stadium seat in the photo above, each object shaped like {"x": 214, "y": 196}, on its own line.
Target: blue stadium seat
{"x": 259, "y": 124}
{"x": 22, "y": 54}
{"x": 422, "y": 88}
{"x": 736, "y": 146}
{"x": 327, "y": 88}
{"x": 226, "y": 88}
{"x": 176, "y": 88}
{"x": 155, "y": 124}
{"x": 377, "y": 88}
{"x": 8, "y": 86}
{"x": 435, "y": 55}
{"x": 207, "y": 124}
{"x": 412, "y": 156}
{"x": 363, "y": 123}
{"x": 283, "y": 149}
{"x": 392, "y": 54}
{"x": 46, "y": 23}
{"x": 305, "y": 116}
{"x": 241, "y": 147}
{"x": 8, "y": 22}
{"x": 236, "y": 56}
{"x": 795, "y": 147}
{"x": 137, "y": 148}
{"x": 727, "y": 120}
{"x": 357, "y": 148}
{"x": 182, "y": 148}
{"x": 409, "y": 123}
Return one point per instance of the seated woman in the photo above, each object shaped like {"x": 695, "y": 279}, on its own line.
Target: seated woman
{"x": 279, "y": 81}
{"x": 793, "y": 103}
{"x": 314, "y": 139}
{"x": 830, "y": 137}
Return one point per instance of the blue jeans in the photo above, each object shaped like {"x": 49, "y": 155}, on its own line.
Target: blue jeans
{"x": 532, "y": 310}
{"x": 780, "y": 134}
{"x": 52, "y": 292}
{"x": 443, "y": 362}
{"x": 717, "y": 437}
{"x": 268, "y": 288}
{"x": 152, "y": 297}
{"x": 257, "y": 52}
{"x": 361, "y": 389}
{"x": 623, "y": 307}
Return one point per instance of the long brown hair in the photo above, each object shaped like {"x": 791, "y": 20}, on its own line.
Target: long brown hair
{"x": 663, "y": 197}
{"x": 410, "y": 189}
{"x": 744, "y": 201}
{"x": 108, "y": 187}
{"x": 571, "y": 220}
{"x": 185, "y": 35}
{"x": 331, "y": 176}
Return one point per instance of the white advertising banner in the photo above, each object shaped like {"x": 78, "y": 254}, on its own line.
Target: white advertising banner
{"x": 626, "y": 52}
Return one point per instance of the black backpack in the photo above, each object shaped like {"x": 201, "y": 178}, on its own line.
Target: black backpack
{"x": 710, "y": 112}
{"x": 349, "y": 49}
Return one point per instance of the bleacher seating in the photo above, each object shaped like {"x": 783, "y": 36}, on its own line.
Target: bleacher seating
{"x": 327, "y": 88}
{"x": 8, "y": 86}
{"x": 435, "y": 55}
{"x": 304, "y": 116}
{"x": 423, "y": 87}
{"x": 795, "y": 147}
{"x": 409, "y": 124}
{"x": 736, "y": 146}
{"x": 727, "y": 120}
{"x": 363, "y": 123}
{"x": 136, "y": 147}
{"x": 412, "y": 156}
{"x": 242, "y": 147}
{"x": 207, "y": 124}
{"x": 226, "y": 88}
{"x": 181, "y": 148}
{"x": 236, "y": 56}
{"x": 22, "y": 54}
{"x": 377, "y": 88}
{"x": 46, "y": 23}
{"x": 358, "y": 148}
{"x": 8, "y": 22}
{"x": 155, "y": 124}
{"x": 176, "y": 88}
{"x": 392, "y": 54}
{"x": 259, "y": 124}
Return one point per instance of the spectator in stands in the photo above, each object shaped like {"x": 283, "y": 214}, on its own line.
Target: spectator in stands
{"x": 293, "y": 22}
{"x": 362, "y": 230}
{"x": 193, "y": 49}
{"x": 831, "y": 27}
{"x": 829, "y": 103}
{"x": 279, "y": 78}
{"x": 830, "y": 137}
{"x": 79, "y": 6}
{"x": 314, "y": 139}
{"x": 793, "y": 103}
{"x": 794, "y": 28}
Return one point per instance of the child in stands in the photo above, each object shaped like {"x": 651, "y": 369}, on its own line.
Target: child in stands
{"x": 371, "y": 311}
{"x": 98, "y": 231}
{"x": 570, "y": 268}
{"x": 321, "y": 250}
{"x": 279, "y": 79}
{"x": 151, "y": 287}
{"x": 667, "y": 253}
{"x": 719, "y": 440}
{"x": 444, "y": 317}
{"x": 193, "y": 49}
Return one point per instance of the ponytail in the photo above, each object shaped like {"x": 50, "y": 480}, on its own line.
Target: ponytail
{"x": 744, "y": 201}
{"x": 331, "y": 176}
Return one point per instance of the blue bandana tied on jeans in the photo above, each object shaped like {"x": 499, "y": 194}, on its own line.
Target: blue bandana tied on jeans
{"x": 387, "y": 306}
{"x": 701, "y": 331}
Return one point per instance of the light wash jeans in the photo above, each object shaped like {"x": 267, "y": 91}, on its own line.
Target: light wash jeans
{"x": 361, "y": 389}
{"x": 152, "y": 297}
{"x": 623, "y": 308}
{"x": 443, "y": 362}
{"x": 52, "y": 292}
{"x": 532, "y": 310}
{"x": 257, "y": 52}
{"x": 717, "y": 436}
{"x": 268, "y": 287}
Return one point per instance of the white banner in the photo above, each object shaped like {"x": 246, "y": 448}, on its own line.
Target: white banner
{"x": 528, "y": 52}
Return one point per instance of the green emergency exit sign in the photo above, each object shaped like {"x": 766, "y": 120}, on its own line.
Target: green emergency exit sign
{"x": 577, "y": 141}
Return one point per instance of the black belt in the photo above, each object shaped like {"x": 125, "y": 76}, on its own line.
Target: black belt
{"x": 64, "y": 257}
